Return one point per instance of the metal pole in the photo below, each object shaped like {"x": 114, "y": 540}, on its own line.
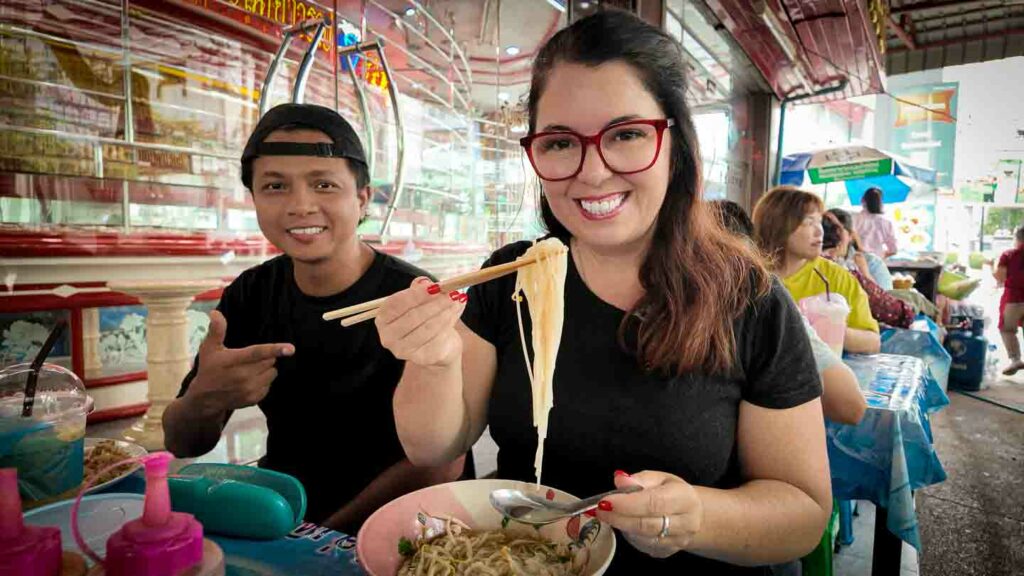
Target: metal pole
{"x": 129, "y": 116}
{"x": 782, "y": 122}
{"x": 396, "y": 194}
{"x": 981, "y": 231}
{"x": 272, "y": 69}
{"x": 334, "y": 52}
{"x": 298, "y": 93}
{"x": 367, "y": 120}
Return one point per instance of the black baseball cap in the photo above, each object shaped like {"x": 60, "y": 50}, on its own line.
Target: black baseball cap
{"x": 345, "y": 143}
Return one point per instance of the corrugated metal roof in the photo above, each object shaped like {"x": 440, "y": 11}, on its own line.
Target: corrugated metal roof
{"x": 929, "y": 34}
{"x": 804, "y": 46}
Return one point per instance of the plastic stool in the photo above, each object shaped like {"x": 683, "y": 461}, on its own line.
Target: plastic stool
{"x": 819, "y": 561}
{"x": 846, "y": 510}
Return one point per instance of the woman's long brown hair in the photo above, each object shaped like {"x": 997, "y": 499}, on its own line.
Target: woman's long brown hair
{"x": 697, "y": 277}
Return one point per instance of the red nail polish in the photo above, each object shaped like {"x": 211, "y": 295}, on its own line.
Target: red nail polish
{"x": 455, "y": 295}
{"x": 591, "y": 513}
{"x": 464, "y": 298}
{"x": 605, "y": 505}
{"x": 621, "y": 473}
{"x": 550, "y": 494}
{"x": 433, "y": 289}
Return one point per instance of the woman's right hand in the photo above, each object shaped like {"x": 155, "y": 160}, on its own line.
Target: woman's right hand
{"x": 418, "y": 324}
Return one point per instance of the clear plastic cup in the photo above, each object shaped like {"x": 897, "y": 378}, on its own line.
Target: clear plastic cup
{"x": 827, "y": 315}
{"x": 47, "y": 448}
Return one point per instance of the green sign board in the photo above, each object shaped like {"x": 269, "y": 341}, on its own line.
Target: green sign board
{"x": 853, "y": 171}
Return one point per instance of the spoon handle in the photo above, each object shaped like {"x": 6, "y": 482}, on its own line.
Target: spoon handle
{"x": 591, "y": 503}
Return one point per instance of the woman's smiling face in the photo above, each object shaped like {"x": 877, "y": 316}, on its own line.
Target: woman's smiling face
{"x": 599, "y": 207}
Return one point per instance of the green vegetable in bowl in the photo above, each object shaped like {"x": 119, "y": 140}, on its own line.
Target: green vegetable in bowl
{"x": 406, "y": 547}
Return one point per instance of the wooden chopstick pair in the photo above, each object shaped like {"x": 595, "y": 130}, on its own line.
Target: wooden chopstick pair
{"x": 352, "y": 315}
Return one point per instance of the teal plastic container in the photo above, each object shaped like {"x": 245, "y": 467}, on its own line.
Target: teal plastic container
{"x": 239, "y": 501}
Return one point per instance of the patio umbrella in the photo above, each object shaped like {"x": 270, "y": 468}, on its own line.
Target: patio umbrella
{"x": 859, "y": 167}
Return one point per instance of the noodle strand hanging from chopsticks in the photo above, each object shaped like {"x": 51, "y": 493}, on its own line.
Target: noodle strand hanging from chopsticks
{"x": 543, "y": 285}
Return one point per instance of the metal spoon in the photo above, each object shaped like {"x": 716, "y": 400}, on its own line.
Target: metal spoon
{"x": 536, "y": 510}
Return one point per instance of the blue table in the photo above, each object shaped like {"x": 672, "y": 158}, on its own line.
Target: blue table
{"x": 310, "y": 550}
{"x": 889, "y": 454}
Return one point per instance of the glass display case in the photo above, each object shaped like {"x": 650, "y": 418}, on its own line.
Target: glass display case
{"x": 121, "y": 126}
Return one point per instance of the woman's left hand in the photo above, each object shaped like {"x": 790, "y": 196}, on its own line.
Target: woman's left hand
{"x": 666, "y": 501}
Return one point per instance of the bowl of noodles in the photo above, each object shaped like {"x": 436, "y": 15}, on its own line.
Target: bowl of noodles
{"x": 452, "y": 529}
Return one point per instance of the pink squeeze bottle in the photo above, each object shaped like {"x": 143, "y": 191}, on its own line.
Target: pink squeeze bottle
{"x": 161, "y": 542}
{"x": 24, "y": 550}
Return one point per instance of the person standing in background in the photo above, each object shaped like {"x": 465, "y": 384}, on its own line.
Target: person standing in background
{"x": 1010, "y": 274}
{"x": 876, "y": 232}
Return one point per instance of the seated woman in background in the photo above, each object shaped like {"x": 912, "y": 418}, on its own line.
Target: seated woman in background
{"x": 841, "y": 398}
{"x": 850, "y": 247}
{"x": 885, "y": 308}
{"x": 787, "y": 228}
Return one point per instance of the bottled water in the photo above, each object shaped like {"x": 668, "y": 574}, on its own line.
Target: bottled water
{"x": 991, "y": 364}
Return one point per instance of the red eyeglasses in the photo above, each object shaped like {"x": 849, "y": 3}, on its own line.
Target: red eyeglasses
{"x": 625, "y": 148}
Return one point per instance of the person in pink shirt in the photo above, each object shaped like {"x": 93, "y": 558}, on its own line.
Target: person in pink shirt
{"x": 876, "y": 232}
{"x": 1010, "y": 273}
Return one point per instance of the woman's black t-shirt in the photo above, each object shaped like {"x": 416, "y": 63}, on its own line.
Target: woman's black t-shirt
{"x": 609, "y": 414}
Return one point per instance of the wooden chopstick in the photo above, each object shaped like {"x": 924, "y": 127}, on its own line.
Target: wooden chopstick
{"x": 369, "y": 310}
{"x": 355, "y": 309}
{"x": 455, "y": 283}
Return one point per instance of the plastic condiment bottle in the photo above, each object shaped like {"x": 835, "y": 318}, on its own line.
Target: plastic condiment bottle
{"x": 161, "y": 542}
{"x": 29, "y": 550}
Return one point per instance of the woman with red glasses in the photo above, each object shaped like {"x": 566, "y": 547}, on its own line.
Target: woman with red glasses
{"x": 683, "y": 367}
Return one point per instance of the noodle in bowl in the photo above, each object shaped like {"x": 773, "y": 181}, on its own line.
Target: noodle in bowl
{"x": 580, "y": 545}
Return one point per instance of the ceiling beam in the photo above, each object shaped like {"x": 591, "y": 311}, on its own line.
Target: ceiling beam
{"x": 964, "y": 40}
{"x": 991, "y": 27}
{"x": 900, "y": 31}
{"x": 1014, "y": 10}
{"x": 907, "y": 8}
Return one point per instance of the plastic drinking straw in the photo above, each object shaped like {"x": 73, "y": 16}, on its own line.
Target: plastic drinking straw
{"x": 37, "y": 364}
{"x": 828, "y": 291}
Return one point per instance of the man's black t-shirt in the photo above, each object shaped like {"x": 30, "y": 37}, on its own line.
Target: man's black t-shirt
{"x": 329, "y": 414}
{"x": 609, "y": 414}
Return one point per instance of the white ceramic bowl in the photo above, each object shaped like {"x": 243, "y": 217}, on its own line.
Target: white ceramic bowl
{"x": 377, "y": 544}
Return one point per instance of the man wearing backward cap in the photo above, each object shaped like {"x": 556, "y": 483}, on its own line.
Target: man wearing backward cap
{"x": 326, "y": 390}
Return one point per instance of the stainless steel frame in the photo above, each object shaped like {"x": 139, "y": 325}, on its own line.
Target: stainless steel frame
{"x": 396, "y": 194}
{"x": 289, "y": 33}
{"x": 300, "y": 87}
{"x": 298, "y": 92}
